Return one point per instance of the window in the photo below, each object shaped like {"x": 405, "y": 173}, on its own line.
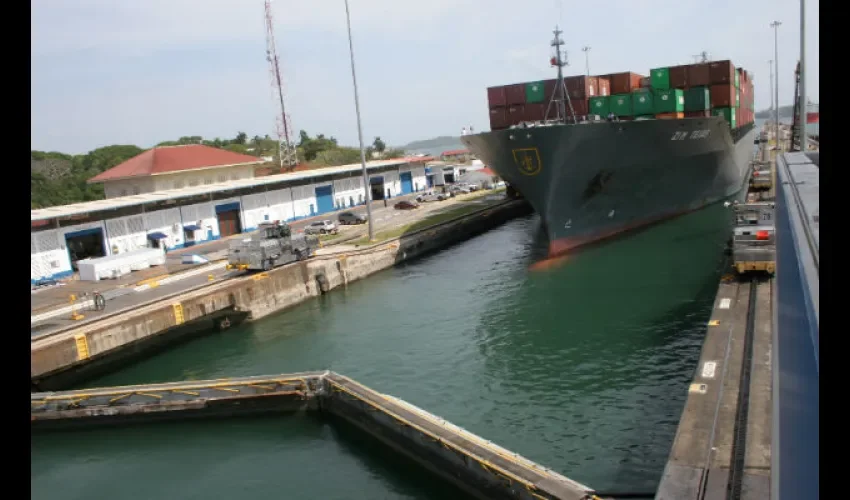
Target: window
{"x": 208, "y": 180}
{"x": 234, "y": 177}
{"x": 222, "y": 178}
{"x": 194, "y": 182}
{"x": 178, "y": 184}
{"x": 123, "y": 192}
{"x": 136, "y": 190}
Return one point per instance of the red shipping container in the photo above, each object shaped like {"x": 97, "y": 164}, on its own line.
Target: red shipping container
{"x": 698, "y": 114}
{"x": 496, "y": 96}
{"x": 515, "y": 94}
{"x": 516, "y": 114}
{"x": 679, "y": 77}
{"x": 604, "y": 84}
{"x": 699, "y": 75}
{"x": 582, "y": 87}
{"x": 549, "y": 88}
{"x": 534, "y": 112}
{"x": 580, "y": 107}
{"x": 721, "y": 72}
{"x": 498, "y": 118}
{"x": 738, "y": 120}
{"x": 723, "y": 96}
{"x": 624, "y": 83}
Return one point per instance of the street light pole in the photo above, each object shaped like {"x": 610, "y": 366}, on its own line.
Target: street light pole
{"x": 359, "y": 127}
{"x": 775, "y": 25}
{"x": 587, "y": 58}
{"x": 804, "y": 138}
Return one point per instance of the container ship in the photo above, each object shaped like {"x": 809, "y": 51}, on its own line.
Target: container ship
{"x": 597, "y": 156}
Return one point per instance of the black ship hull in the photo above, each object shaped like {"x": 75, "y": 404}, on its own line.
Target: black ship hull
{"x": 595, "y": 180}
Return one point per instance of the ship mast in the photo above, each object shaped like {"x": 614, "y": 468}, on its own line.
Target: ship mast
{"x": 560, "y": 97}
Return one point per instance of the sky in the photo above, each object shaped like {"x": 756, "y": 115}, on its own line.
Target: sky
{"x": 122, "y": 72}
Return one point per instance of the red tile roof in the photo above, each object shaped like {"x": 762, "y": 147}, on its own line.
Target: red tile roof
{"x": 455, "y": 152}
{"x": 487, "y": 171}
{"x": 168, "y": 159}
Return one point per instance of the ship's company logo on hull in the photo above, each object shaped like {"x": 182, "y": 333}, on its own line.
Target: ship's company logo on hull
{"x": 528, "y": 160}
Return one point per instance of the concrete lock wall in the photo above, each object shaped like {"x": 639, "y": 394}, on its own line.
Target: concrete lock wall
{"x": 254, "y": 296}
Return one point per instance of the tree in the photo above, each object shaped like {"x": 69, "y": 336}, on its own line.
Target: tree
{"x": 379, "y": 145}
{"x": 241, "y": 138}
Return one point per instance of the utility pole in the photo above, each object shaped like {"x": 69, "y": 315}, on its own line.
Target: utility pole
{"x": 586, "y": 51}
{"x": 287, "y": 153}
{"x": 359, "y": 128}
{"x": 804, "y": 108}
{"x": 775, "y": 25}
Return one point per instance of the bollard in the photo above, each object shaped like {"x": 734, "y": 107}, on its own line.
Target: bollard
{"x": 75, "y": 316}
{"x": 210, "y": 277}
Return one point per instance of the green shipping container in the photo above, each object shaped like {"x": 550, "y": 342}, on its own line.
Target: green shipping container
{"x": 697, "y": 99}
{"x": 600, "y": 105}
{"x": 728, "y": 114}
{"x": 534, "y": 92}
{"x": 621, "y": 104}
{"x": 660, "y": 78}
{"x": 737, "y": 97}
{"x": 737, "y": 80}
{"x": 669, "y": 101}
{"x": 643, "y": 103}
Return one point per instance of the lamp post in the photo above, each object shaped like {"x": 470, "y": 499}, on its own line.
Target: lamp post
{"x": 775, "y": 25}
{"x": 586, "y": 51}
{"x": 359, "y": 128}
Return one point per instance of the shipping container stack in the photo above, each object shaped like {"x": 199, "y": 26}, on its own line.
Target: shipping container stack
{"x": 688, "y": 91}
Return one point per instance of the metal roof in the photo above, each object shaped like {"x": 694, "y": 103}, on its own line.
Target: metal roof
{"x": 138, "y": 199}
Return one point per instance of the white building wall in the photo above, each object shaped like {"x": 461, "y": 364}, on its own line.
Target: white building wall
{"x": 124, "y": 234}
{"x": 202, "y": 215}
{"x": 128, "y": 187}
{"x": 166, "y": 221}
{"x": 302, "y": 198}
{"x": 280, "y": 204}
{"x": 349, "y": 192}
{"x": 417, "y": 174}
{"x": 178, "y": 180}
{"x": 392, "y": 184}
{"x": 255, "y": 209}
{"x": 49, "y": 252}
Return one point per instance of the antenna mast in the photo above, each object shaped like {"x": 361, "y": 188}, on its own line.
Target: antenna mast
{"x": 560, "y": 97}
{"x": 286, "y": 146}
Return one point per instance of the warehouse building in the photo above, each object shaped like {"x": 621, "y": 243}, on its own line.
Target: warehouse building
{"x": 165, "y": 168}
{"x": 177, "y": 218}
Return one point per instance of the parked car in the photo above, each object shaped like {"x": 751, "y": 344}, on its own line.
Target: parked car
{"x": 406, "y": 205}
{"x": 432, "y": 196}
{"x": 347, "y": 218}
{"x": 460, "y": 189}
{"x": 321, "y": 227}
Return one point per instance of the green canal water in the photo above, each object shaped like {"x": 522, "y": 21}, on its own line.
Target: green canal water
{"x": 583, "y": 368}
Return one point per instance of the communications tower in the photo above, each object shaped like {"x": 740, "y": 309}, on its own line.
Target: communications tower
{"x": 286, "y": 146}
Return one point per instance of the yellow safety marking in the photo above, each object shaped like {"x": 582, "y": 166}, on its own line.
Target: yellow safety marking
{"x": 178, "y": 313}
{"x": 265, "y": 387}
{"x": 227, "y": 389}
{"x": 190, "y": 393}
{"x": 714, "y": 322}
{"x": 157, "y": 396}
{"x": 120, "y": 398}
{"x": 82, "y": 346}
{"x": 259, "y": 276}
{"x": 151, "y": 281}
{"x": 535, "y": 495}
{"x": 34, "y": 402}
{"x": 483, "y": 462}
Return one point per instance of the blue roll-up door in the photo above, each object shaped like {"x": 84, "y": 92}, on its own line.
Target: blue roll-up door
{"x": 325, "y": 199}
{"x": 406, "y": 183}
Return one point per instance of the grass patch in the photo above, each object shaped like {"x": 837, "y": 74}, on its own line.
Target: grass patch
{"x": 429, "y": 221}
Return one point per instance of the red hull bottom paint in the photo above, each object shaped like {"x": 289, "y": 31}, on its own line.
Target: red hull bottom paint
{"x": 560, "y": 247}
